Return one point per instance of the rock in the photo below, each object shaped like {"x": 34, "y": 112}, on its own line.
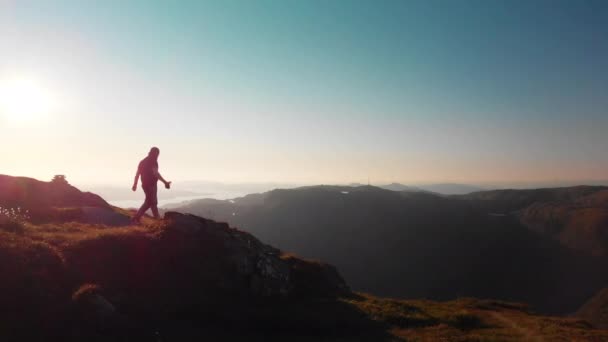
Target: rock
{"x": 186, "y": 224}
{"x": 95, "y": 309}
{"x": 273, "y": 276}
{"x": 260, "y": 269}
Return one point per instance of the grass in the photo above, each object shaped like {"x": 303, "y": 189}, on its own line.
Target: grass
{"x": 470, "y": 319}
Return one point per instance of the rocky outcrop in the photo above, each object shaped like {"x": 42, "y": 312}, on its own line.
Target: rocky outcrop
{"x": 260, "y": 269}
{"x": 191, "y": 263}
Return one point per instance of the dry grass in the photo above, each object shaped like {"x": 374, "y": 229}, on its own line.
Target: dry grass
{"x": 471, "y": 319}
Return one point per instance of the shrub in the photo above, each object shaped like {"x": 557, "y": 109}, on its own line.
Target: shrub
{"x": 12, "y": 220}
{"x": 14, "y": 214}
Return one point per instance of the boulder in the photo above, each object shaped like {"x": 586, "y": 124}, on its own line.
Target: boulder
{"x": 261, "y": 270}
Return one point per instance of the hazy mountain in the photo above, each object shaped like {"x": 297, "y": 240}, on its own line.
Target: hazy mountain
{"x": 399, "y": 187}
{"x": 450, "y": 188}
{"x": 417, "y": 244}
{"x": 220, "y": 190}
{"x": 441, "y": 188}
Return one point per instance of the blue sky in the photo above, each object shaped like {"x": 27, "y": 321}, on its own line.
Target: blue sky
{"x": 311, "y": 91}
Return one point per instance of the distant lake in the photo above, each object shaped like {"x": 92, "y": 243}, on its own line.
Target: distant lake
{"x": 172, "y": 200}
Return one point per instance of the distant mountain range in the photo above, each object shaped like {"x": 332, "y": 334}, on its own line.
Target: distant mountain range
{"x": 546, "y": 247}
{"x": 440, "y": 188}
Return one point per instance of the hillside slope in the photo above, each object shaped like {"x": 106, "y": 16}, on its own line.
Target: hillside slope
{"x": 423, "y": 245}
{"x": 580, "y": 224}
{"x": 576, "y": 217}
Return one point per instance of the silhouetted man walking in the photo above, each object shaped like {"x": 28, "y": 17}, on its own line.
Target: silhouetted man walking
{"x": 148, "y": 170}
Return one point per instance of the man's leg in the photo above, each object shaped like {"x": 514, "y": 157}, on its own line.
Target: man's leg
{"x": 155, "y": 212}
{"x": 154, "y": 202}
{"x": 142, "y": 210}
{"x": 144, "y": 207}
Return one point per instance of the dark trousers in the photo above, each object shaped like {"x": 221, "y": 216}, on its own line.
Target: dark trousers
{"x": 151, "y": 201}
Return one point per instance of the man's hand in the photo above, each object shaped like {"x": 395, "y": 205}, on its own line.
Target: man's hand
{"x": 134, "y": 188}
{"x": 167, "y": 185}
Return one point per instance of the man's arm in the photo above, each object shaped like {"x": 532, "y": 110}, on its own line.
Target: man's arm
{"x": 158, "y": 175}
{"x": 136, "y": 180}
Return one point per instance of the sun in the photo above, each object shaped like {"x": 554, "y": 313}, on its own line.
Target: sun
{"x": 24, "y": 100}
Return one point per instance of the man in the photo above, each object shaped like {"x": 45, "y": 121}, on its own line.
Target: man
{"x": 148, "y": 170}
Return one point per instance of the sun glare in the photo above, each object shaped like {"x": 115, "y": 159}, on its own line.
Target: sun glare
{"x": 24, "y": 100}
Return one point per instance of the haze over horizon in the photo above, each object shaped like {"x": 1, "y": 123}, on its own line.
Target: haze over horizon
{"x": 306, "y": 92}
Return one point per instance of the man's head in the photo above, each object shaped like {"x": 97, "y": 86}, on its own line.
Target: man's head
{"x": 154, "y": 152}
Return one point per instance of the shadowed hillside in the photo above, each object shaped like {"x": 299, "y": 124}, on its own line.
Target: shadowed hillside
{"x": 416, "y": 244}
{"x": 576, "y": 217}
{"x": 511, "y": 200}
{"x": 580, "y": 224}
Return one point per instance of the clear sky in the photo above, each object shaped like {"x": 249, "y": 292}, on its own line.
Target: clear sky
{"x": 305, "y": 91}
